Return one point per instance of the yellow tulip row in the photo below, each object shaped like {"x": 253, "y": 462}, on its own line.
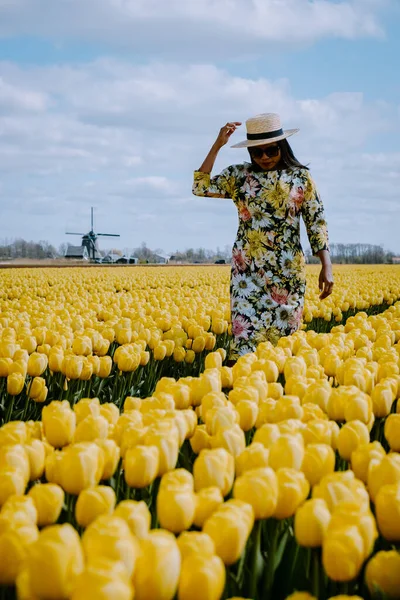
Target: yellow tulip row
{"x": 296, "y": 434}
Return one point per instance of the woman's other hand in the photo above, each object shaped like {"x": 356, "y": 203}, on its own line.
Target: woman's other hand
{"x": 325, "y": 281}
{"x": 226, "y": 132}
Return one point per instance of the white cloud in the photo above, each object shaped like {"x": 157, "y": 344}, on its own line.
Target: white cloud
{"x": 126, "y": 139}
{"x": 186, "y": 29}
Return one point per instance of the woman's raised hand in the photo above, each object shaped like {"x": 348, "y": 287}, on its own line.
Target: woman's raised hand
{"x": 226, "y": 132}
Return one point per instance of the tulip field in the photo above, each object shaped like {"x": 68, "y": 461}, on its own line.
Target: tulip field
{"x": 136, "y": 464}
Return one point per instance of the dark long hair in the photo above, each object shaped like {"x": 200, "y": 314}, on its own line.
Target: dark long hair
{"x": 288, "y": 160}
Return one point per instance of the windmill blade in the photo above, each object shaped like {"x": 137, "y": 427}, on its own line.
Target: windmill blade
{"x": 73, "y": 233}
{"x": 108, "y": 234}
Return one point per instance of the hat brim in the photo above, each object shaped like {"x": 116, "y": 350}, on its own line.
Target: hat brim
{"x": 250, "y": 143}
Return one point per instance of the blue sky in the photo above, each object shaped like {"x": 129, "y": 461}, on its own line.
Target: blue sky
{"x": 113, "y": 104}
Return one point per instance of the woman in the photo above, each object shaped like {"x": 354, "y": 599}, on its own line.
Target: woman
{"x": 268, "y": 267}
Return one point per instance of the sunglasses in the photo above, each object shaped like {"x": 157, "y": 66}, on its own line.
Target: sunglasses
{"x": 269, "y": 151}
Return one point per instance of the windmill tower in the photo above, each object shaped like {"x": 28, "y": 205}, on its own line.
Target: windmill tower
{"x": 89, "y": 240}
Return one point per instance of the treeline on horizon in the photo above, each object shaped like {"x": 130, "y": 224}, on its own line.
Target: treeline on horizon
{"x": 340, "y": 253}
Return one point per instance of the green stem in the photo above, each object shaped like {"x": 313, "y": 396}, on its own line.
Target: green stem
{"x": 315, "y": 572}
{"x": 255, "y": 559}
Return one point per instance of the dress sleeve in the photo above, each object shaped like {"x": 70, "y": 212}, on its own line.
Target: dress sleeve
{"x": 314, "y": 217}
{"x": 219, "y": 186}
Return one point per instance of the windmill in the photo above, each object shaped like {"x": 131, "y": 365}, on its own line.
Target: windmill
{"x": 89, "y": 240}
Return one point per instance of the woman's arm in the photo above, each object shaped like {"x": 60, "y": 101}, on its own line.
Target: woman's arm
{"x": 222, "y": 139}
{"x": 317, "y": 231}
{"x": 325, "y": 279}
{"x": 214, "y": 187}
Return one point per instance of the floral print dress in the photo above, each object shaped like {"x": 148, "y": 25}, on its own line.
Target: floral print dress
{"x": 268, "y": 267}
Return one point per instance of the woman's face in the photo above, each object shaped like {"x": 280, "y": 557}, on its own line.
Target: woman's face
{"x": 266, "y": 156}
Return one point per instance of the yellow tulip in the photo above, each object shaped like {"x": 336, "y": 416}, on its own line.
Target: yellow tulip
{"x": 352, "y": 514}
{"x": 176, "y": 507}
{"x": 382, "y": 400}
{"x": 311, "y": 522}
{"x": 383, "y": 573}
{"x": 136, "y": 515}
{"x": 168, "y": 447}
{"x": 202, "y": 578}
{"x": 258, "y": 487}
{"x": 214, "y": 468}
{"x": 86, "y": 407}
{"x": 14, "y": 548}
{"x": 12, "y": 481}
{"x": 158, "y": 567}
{"x": 293, "y": 489}
{"x": 93, "y": 502}
{"x": 208, "y": 500}
{"x": 103, "y": 579}
{"x": 141, "y": 466}
{"x": 59, "y": 423}
{"x": 392, "y": 432}
{"x": 267, "y": 435}
{"x": 58, "y": 553}
{"x": 299, "y": 596}
{"x": 37, "y": 364}
{"x": 81, "y": 467}
{"x": 318, "y": 461}
{"x": 109, "y": 537}
{"x": 105, "y": 366}
{"x": 341, "y": 487}
{"x": 287, "y": 451}
{"x": 351, "y": 436}
{"x": 229, "y": 527}
{"x": 15, "y": 384}
{"x": 362, "y": 456}
{"x": 91, "y": 428}
{"x": 343, "y": 553}
{"x": 49, "y": 500}
{"x": 387, "y": 507}
{"x": 382, "y": 472}
{"x": 252, "y": 457}
{"x": 35, "y": 450}
{"x": 195, "y": 542}
{"x": 231, "y": 438}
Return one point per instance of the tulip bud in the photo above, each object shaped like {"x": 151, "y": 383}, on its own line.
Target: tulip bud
{"x": 110, "y": 537}
{"x": 343, "y": 553}
{"x": 37, "y": 364}
{"x": 253, "y": 457}
{"x": 311, "y": 522}
{"x": 136, "y": 515}
{"x": 318, "y": 461}
{"x": 105, "y": 366}
{"x": 168, "y": 447}
{"x": 103, "y": 579}
{"x": 382, "y": 400}
{"x": 293, "y": 489}
{"x": 86, "y": 407}
{"x": 387, "y": 507}
{"x": 267, "y": 435}
{"x": 362, "y": 456}
{"x": 176, "y": 507}
{"x": 141, "y": 466}
{"x": 91, "y": 429}
{"x": 214, "y": 468}
{"x": 15, "y": 384}
{"x": 158, "y": 567}
{"x": 111, "y": 457}
{"x": 341, "y": 488}
{"x": 81, "y": 467}
{"x": 229, "y": 527}
{"x": 58, "y": 553}
{"x": 351, "y": 436}
{"x": 287, "y": 451}
{"x": 386, "y": 471}
{"x": 195, "y": 543}
{"x": 14, "y": 547}
{"x": 93, "y": 502}
{"x": 382, "y": 573}
{"x": 207, "y": 501}
{"x": 49, "y": 500}
{"x": 232, "y": 439}
{"x": 258, "y": 487}
{"x": 59, "y": 423}
{"x": 12, "y": 481}
{"x": 248, "y": 412}
{"x": 202, "y": 577}
{"x": 19, "y": 506}
{"x": 36, "y": 455}
{"x": 392, "y": 432}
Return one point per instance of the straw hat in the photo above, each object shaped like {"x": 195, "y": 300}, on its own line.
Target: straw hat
{"x": 264, "y": 129}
